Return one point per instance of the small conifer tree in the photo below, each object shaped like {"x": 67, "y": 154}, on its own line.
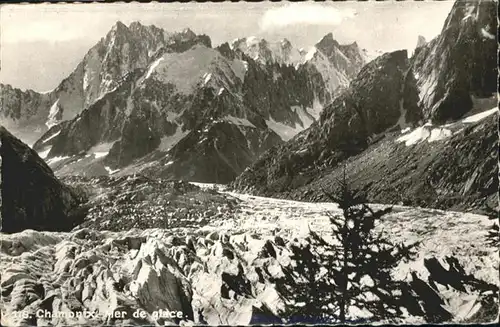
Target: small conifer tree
{"x": 356, "y": 284}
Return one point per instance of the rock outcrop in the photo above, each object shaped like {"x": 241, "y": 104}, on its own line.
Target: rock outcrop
{"x": 32, "y": 197}
{"x": 336, "y": 64}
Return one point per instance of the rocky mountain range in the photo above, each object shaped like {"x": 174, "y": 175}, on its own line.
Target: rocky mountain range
{"x": 101, "y": 70}
{"x": 170, "y": 105}
{"x": 97, "y": 228}
{"x": 420, "y": 131}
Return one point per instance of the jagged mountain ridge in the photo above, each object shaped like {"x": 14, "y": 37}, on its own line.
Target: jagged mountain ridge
{"x": 188, "y": 101}
{"x": 266, "y": 52}
{"x": 124, "y": 49}
{"x": 336, "y": 64}
{"x": 421, "y": 41}
{"x": 102, "y": 69}
{"x": 378, "y": 108}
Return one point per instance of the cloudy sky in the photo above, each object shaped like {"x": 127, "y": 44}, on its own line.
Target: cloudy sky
{"x": 41, "y": 44}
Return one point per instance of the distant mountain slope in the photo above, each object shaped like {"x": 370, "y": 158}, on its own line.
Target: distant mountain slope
{"x": 416, "y": 96}
{"x": 32, "y": 197}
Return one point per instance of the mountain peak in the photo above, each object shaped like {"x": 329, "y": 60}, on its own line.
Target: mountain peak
{"x": 327, "y": 42}
{"x": 119, "y": 26}
{"x": 188, "y": 33}
{"x": 421, "y": 41}
{"x": 135, "y": 25}
{"x": 286, "y": 43}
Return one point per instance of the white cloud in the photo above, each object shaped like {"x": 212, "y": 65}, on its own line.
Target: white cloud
{"x": 304, "y": 13}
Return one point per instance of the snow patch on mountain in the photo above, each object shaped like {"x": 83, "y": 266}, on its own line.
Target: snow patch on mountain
{"x": 486, "y": 34}
{"x": 469, "y": 11}
{"x": 284, "y": 131}
{"x": 102, "y": 149}
{"x": 426, "y": 132}
{"x": 310, "y": 54}
{"x": 53, "y": 160}
{"x": 480, "y": 116}
{"x": 207, "y": 78}
{"x": 111, "y": 171}
{"x": 98, "y": 155}
{"x": 184, "y": 70}
{"x": 305, "y": 117}
{"x": 43, "y": 154}
{"x": 153, "y": 66}
{"x": 252, "y": 41}
{"x": 167, "y": 142}
{"x": 197, "y": 65}
{"x": 239, "y": 121}
{"x": 316, "y": 109}
{"x": 51, "y": 137}
{"x": 53, "y": 113}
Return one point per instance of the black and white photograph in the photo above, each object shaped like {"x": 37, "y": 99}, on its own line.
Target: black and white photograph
{"x": 249, "y": 163}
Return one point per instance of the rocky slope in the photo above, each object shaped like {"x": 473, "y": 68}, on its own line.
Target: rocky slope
{"x": 32, "y": 197}
{"x": 346, "y": 126}
{"x": 389, "y": 95}
{"x": 239, "y": 270}
{"x": 194, "y": 112}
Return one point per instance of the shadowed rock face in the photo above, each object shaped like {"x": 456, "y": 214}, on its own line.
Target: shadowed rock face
{"x": 460, "y": 62}
{"x": 32, "y": 196}
{"x": 452, "y": 76}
